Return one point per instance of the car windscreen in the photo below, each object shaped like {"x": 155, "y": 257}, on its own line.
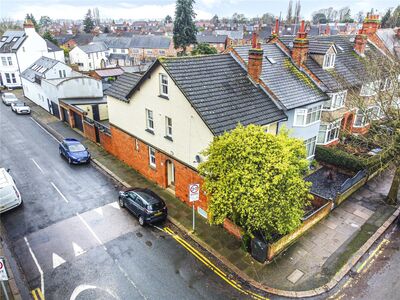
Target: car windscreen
{"x": 10, "y": 96}
{"x": 76, "y": 148}
{"x": 6, "y": 192}
{"x": 20, "y": 104}
{"x": 153, "y": 201}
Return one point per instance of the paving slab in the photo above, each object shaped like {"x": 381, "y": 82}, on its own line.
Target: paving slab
{"x": 295, "y": 276}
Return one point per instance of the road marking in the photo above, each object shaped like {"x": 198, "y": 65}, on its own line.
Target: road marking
{"x": 83, "y": 287}
{"x": 37, "y": 165}
{"x": 61, "y": 194}
{"x": 57, "y": 260}
{"x": 45, "y": 130}
{"x": 37, "y": 265}
{"x": 384, "y": 241}
{"x": 91, "y": 231}
{"x": 37, "y": 294}
{"x": 77, "y": 249}
{"x": 210, "y": 265}
{"x": 129, "y": 279}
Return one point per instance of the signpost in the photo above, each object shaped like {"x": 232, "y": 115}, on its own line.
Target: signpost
{"x": 3, "y": 276}
{"x": 194, "y": 195}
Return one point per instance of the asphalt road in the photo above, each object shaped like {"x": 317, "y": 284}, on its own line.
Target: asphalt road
{"x": 379, "y": 277}
{"x": 71, "y": 240}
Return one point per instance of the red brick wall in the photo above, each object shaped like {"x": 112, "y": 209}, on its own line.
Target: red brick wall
{"x": 123, "y": 146}
{"x": 233, "y": 229}
{"x": 360, "y": 130}
{"x": 89, "y": 131}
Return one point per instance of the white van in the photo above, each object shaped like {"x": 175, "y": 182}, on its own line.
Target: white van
{"x": 10, "y": 197}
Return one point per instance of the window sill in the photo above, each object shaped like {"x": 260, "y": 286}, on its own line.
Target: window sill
{"x": 168, "y": 138}
{"x": 149, "y": 131}
{"x": 164, "y": 97}
{"x": 154, "y": 167}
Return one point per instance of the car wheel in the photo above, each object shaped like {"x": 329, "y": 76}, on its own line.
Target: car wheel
{"x": 121, "y": 202}
{"x": 59, "y": 151}
{"x": 69, "y": 160}
{"x": 141, "y": 221}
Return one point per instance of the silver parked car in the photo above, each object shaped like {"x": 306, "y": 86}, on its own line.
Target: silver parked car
{"x": 10, "y": 197}
{"x": 8, "y": 98}
{"x": 20, "y": 108}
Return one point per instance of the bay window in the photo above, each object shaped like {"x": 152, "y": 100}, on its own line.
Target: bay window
{"x": 329, "y": 132}
{"x": 304, "y": 117}
{"x": 336, "y": 101}
{"x": 310, "y": 146}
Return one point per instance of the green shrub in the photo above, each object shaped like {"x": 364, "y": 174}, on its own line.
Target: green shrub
{"x": 339, "y": 158}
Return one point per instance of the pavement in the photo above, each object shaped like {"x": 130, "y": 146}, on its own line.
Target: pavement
{"x": 311, "y": 263}
{"x": 70, "y": 239}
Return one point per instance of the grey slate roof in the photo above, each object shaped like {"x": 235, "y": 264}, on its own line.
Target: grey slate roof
{"x": 122, "y": 87}
{"x": 348, "y": 66}
{"x": 39, "y": 68}
{"x": 319, "y": 47}
{"x": 11, "y": 41}
{"x": 119, "y": 56}
{"x": 284, "y": 79}
{"x": 83, "y": 38}
{"x": 63, "y": 38}
{"x": 220, "y": 91}
{"x": 150, "y": 42}
{"x": 52, "y": 47}
{"x": 94, "y": 47}
{"x": 118, "y": 42}
{"x": 211, "y": 39}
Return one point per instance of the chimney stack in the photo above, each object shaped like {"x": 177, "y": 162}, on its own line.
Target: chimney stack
{"x": 275, "y": 32}
{"x": 300, "y": 46}
{"x": 29, "y": 27}
{"x": 254, "y": 66}
{"x": 371, "y": 24}
{"x": 360, "y": 42}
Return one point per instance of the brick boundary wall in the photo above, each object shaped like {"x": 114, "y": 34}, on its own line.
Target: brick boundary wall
{"x": 89, "y": 131}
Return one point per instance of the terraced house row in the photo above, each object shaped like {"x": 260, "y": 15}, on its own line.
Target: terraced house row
{"x": 162, "y": 121}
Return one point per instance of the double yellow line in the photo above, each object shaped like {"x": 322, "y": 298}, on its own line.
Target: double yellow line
{"x": 383, "y": 242}
{"x": 37, "y": 294}
{"x": 211, "y": 266}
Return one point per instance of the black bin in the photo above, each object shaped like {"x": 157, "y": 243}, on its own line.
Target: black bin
{"x": 259, "y": 248}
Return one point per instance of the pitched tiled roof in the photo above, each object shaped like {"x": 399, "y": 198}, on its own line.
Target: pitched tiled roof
{"x": 118, "y": 42}
{"x": 220, "y": 91}
{"x": 211, "y": 39}
{"x": 94, "y": 47}
{"x": 319, "y": 47}
{"x": 63, "y": 38}
{"x": 290, "y": 85}
{"x": 122, "y": 87}
{"x": 39, "y": 68}
{"x": 11, "y": 41}
{"x": 348, "y": 65}
{"x": 150, "y": 42}
{"x": 83, "y": 38}
{"x": 52, "y": 47}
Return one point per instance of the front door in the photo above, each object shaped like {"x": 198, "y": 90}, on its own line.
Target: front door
{"x": 170, "y": 174}
{"x": 96, "y": 113}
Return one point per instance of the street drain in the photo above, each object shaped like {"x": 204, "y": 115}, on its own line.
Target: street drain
{"x": 139, "y": 234}
{"x": 148, "y": 243}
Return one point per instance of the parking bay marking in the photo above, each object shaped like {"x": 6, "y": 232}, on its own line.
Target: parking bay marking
{"x": 37, "y": 165}
{"x": 59, "y": 192}
{"x": 210, "y": 265}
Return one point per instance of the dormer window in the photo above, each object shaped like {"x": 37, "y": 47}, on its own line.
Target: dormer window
{"x": 329, "y": 60}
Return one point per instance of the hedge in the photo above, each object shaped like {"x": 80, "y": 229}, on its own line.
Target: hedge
{"x": 340, "y": 158}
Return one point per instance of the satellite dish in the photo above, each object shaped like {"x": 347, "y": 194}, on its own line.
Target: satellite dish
{"x": 197, "y": 158}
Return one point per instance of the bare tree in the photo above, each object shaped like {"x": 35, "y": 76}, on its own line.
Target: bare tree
{"x": 289, "y": 16}
{"x": 378, "y": 103}
{"x": 8, "y": 24}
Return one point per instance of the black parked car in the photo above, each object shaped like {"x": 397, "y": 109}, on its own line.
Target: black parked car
{"x": 144, "y": 204}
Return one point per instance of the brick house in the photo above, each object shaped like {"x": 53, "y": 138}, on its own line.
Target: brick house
{"x": 219, "y": 42}
{"x": 160, "y": 122}
{"x": 289, "y": 86}
{"x": 332, "y": 62}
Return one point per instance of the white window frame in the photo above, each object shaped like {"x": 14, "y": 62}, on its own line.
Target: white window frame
{"x": 368, "y": 89}
{"x": 64, "y": 74}
{"x": 329, "y": 60}
{"x": 332, "y": 103}
{"x": 333, "y": 127}
{"x": 305, "y": 112}
{"x": 152, "y": 157}
{"x": 168, "y": 127}
{"x": 365, "y": 117}
{"x": 8, "y": 77}
{"x": 163, "y": 85}
{"x": 4, "y": 61}
{"x": 311, "y": 141}
{"x": 149, "y": 119}
{"x": 9, "y": 59}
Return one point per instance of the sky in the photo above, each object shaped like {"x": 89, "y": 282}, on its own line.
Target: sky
{"x": 158, "y": 9}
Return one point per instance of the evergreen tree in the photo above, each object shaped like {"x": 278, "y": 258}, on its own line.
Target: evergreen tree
{"x": 289, "y": 16}
{"x": 33, "y": 20}
{"x": 88, "y": 23}
{"x": 204, "y": 49}
{"x": 184, "y": 27}
{"x": 48, "y": 36}
{"x": 385, "y": 19}
{"x": 168, "y": 19}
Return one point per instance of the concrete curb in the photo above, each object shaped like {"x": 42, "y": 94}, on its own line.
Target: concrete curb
{"x": 292, "y": 294}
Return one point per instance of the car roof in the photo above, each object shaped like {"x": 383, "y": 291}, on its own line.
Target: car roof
{"x": 4, "y": 178}
{"x": 10, "y": 94}
{"x": 147, "y": 195}
{"x": 20, "y": 102}
{"x": 71, "y": 141}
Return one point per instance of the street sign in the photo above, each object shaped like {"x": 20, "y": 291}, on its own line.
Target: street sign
{"x": 194, "y": 192}
{"x": 3, "y": 272}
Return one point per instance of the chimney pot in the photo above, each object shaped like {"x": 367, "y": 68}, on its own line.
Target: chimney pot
{"x": 254, "y": 65}
{"x": 300, "y": 46}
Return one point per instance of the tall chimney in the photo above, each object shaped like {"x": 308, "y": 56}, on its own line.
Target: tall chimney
{"x": 300, "y": 46}
{"x": 371, "y": 24}
{"x": 360, "y": 42}
{"x": 28, "y": 26}
{"x": 254, "y": 66}
{"x": 275, "y": 32}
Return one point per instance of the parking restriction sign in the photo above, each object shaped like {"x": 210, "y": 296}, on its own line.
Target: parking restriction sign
{"x": 194, "y": 192}
{"x": 3, "y": 272}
